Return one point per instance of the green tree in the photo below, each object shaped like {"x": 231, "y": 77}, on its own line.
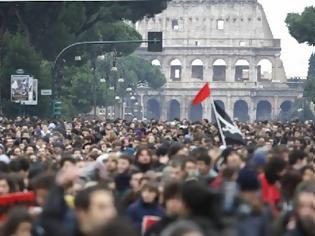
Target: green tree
{"x": 309, "y": 90}
{"x": 301, "y": 26}
{"x": 31, "y": 35}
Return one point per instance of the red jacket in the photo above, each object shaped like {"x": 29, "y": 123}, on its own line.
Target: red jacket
{"x": 270, "y": 192}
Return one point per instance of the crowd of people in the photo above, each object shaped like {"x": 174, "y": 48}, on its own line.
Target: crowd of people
{"x": 126, "y": 178}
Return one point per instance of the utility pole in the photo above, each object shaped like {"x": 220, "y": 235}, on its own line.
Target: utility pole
{"x": 154, "y": 45}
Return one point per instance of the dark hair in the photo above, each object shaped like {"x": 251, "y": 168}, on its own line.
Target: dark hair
{"x": 173, "y": 149}
{"x": 204, "y": 158}
{"x": 199, "y": 151}
{"x": 10, "y": 182}
{"x": 83, "y": 198}
{"x": 117, "y": 227}
{"x": 21, "y": 164}
{"x": 186, "y": 161}
{"x": 141, "y": 149}
{"x": 273, "y": 167}
{"x": 172, "y": 190}
{"x": 125, "y": 157}
{"x": 289, "y": 182}
{"x": 305, "y": 168}
{"x": 65, "y": 159}
{"x": 43, "y": 181}
{"x": 295, "y": 156}
{"x": 14, "y": 219}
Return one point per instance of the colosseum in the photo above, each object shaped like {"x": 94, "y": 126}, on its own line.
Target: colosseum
{"x": 227, "y": 43}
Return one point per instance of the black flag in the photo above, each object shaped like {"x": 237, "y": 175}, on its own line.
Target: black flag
{"x": 229, "y": 131}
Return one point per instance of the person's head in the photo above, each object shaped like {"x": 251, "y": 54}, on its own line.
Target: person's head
{"x": 18, "y": 223}
{"x": 297, "y": 159}
{"x": 20, "y": 166}
{"x": 150, "y": 193}
{"x": 233, "y": 160}
{"x": 304, "y": 208}
{"x": 117, "y": 227}
{"x": 143, "y": 156}
{"x": 111, "y": 163}
{"x": 173, "y": 200}
{"x": 41, "y": 185}
{"x": 289, "y": 182}
{"x": 189, "y": 167}
{"x": 29, "y": 150}
{"x": 175, "y": 169}
{"x": 123, "y": 164}
{"x": 6, "y": 185}
{"x": 94, "y": 207}
{"x": 67, "y": 162}
{"x": 135, "y": 181}
{"x": 204, "y": 164}
{"x": 274, "y": 169}
{"x": 308, "y": 173}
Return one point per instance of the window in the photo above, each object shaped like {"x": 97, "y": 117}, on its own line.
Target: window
{"x": 176, "y": 70}
{"x": 175, "y": 25}
{"x": 197, "y": 69}
{"x": 219, "y": 70}
{"x": 156, "y": 62}
{"x": 220, "y": 24}
{"x": 241, "y": 70}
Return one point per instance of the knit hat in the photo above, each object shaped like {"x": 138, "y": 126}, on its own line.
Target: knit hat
{"x": 248, "y": 180}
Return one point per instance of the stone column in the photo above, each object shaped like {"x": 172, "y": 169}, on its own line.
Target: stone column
{"x": 230, "y": 73}
{"x": 183, "y": 108}
{"x": 252, "y": 111}
{"x": 209, "y": 73}
{"x": 275, "y": 108}
{"x": 164, "y": 108}
{"x": 206, "y": 108}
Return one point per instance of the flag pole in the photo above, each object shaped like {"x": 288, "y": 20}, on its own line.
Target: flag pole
{"x": 218, "y": 122}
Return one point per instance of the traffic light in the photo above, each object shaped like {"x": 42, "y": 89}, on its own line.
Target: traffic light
{"x": 155, "y": 43}
{"x": 57, "y": 108}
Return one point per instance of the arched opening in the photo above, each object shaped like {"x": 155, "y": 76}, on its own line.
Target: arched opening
{"x": 176, "y": 70}
{"x": 195, "y": 113}
{"x": 285, "y": 111}
{"x": 264, "y": 70}
{"x": 156, "y": 62}
{"x": 263, "y": 111}
{"x": 197, "y": 69}
{"x": 241, "y": 111}
{"x": 173, "y": 110}
{"x": 219, "y": 70}
{"x": 153, "y": 109}
{"x": 242, "y": 70}
{"x": 221, "y": 105}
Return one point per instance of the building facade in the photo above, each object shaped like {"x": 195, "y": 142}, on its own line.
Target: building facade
{"x": 227, "y": 43}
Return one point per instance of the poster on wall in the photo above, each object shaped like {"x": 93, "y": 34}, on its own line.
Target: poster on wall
{"x": 21, "y": 85}
{"x": 24, "y": 89}
{"x": 33, "y": 94}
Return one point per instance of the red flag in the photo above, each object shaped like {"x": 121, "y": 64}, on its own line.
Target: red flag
{"x": 202, "y": 95}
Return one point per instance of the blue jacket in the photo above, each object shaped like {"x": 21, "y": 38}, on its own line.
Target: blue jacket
{"x": 138, "y": 210}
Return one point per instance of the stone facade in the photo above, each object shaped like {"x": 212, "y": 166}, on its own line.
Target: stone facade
{"x": 227, "y": 43}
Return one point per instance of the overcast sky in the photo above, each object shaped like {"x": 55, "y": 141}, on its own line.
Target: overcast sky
{"x": 294, "y": 55}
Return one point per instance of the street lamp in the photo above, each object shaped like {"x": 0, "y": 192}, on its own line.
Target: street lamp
{"x": 112, "y": 88}
{"x": 121, "y": 80}
{"x": 132, "y": 98}
{"x": 117, "y": 98}
{"x": 129, "y": 89}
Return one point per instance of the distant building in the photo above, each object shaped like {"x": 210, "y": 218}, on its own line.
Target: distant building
{"x": 227, "y": 43}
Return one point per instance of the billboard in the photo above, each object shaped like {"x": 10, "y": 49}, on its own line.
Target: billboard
{"x": 24, "y": 89}
{"x": 33, "y": 95}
